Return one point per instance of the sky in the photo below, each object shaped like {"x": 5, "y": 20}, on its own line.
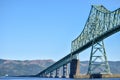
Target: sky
{"x": 44, "y": 29}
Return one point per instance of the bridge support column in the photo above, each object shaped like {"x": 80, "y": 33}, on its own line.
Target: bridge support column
{"x": 43, "y": 75}
{"x": 51, "y": 74}
{"x": 74, "y": 68}
{"x": 98, "y": 63}
{"x": 57, "y": 73}
{"x": 65, "y": 71}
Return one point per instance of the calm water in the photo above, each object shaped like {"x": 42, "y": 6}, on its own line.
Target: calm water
{"x": 29, "y": 78}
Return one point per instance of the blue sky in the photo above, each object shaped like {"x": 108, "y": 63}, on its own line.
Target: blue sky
{"x": 44, "y": 29}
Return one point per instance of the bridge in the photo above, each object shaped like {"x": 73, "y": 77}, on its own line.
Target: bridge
{"x": 101, "y": 23}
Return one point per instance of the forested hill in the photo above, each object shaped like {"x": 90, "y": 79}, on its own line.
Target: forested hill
{"x": 114, "y": 67}
{"x": 32, "y": 67}
{"x": 27, "y": 67}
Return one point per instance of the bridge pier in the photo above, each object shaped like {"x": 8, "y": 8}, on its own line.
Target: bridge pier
{"x": 65, "y": 71}
{"x": 51, "y": 75}
{"x": 43, "y": 75}
{"x": 74, "y": 68}
{"x": 57, "y": 73}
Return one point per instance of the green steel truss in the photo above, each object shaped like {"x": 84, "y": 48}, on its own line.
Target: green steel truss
{"x": 98, "y": 60}
{"x": 101, "y": 23}
{"x": 100, "y": 20}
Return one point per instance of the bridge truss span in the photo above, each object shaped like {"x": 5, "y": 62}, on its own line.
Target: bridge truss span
{"x": 101, "y": 23}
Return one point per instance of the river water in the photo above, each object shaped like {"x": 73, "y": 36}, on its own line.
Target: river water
{"x": 36, "y": 78}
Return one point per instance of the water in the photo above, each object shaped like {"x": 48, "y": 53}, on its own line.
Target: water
{"x": 36, "y": 78}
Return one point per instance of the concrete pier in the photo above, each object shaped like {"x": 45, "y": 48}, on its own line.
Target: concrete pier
{"x": 57, "y": 73}
{"x": 43, "y": 75}
{"x": 98, "y": 76}
{"x": 51, "y": 75}
{"x": 74, "y": 68}
{"x": 65, "y": 71}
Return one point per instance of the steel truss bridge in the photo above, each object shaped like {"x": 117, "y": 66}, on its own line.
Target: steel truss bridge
{"x": 101, "y": 23}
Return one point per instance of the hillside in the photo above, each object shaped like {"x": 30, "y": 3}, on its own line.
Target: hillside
{"x": 114, "y": 67}
{"x": 32, "y": 67}
{"x": 27, "y": 67}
